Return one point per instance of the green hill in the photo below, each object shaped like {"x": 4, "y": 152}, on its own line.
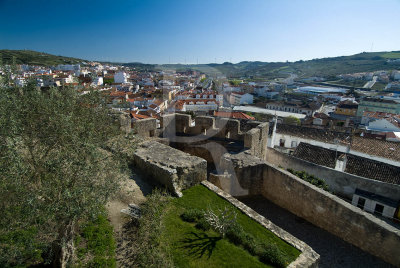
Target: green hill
{"x": 362, "y": 62}
{"x": 35, "y": 58}
{"x": 325, "y": 67}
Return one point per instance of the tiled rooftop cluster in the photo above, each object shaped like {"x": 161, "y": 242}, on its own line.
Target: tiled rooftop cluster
{"x": 312, "y": 133}
{"x": 356, "y": 165}
{"x": 316, "y": 155}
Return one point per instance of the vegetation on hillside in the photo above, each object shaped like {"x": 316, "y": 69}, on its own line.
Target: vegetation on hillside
{"x": 324, "y": 67}
{"x": 35, "y": 58}
{"x": 54, "y": 173}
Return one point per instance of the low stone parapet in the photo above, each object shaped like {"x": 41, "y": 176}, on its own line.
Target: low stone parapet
{"x": 169, "y": 167}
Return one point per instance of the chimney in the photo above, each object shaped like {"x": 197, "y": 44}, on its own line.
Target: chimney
{"x": 341, "y": 163}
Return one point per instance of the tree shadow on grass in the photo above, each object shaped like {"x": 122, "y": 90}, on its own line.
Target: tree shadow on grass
{"x": 199, "y": 244}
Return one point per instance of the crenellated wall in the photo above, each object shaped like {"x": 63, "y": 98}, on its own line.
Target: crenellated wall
{"x": 180, "y": 128}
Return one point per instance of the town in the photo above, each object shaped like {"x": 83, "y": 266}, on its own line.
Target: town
{"x": 355, "y": 130}
{"x": 199, "y": 134}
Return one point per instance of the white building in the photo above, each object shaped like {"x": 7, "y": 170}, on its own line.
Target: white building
{"x": 97, "y": 81}
{"x": 20, "y": 81}
{"x": 374, "y": 203}
{"x": 384, "y": 125}
{"x": 239, "y": 98}
{"x": 120, "y": 78}
{"x": 68, "y": 67}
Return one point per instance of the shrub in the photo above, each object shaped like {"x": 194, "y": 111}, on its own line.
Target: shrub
{"x": 202, "y": 224}
{"x": 235, "y": 234}
{"x": 310, "y": 178}
{"x": 220, "y": 221}
{"x": 272, "y": 255}
{"x": 192, "y": 215}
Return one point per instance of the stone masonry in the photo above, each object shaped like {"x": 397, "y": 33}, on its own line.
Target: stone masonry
{"x": 170, "y": 167}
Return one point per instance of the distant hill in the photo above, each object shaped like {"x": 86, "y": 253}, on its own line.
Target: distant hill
{"x": 362, "y": 62}
{"x": 35, "y": 58}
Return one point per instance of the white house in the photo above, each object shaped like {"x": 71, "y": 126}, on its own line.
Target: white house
{"x": 68, "y": 67}
{"x": 374, "y": 203}
{"x": 97, "y": 81}
{"x": 120, "y": 78}
{"x": 238, "y": 98}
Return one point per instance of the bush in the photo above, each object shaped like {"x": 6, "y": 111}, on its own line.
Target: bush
{"x": 310, "y": 178}
{"x": 202, "y": 224}
{"x": 192, "y": 215}
{"x": 150, "y": 252}
{"x": 235, "y": 234}
{"x": 272, "y": 255}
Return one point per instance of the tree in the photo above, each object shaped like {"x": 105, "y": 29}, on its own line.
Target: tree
{"x": 53, "y": 170}
{"x": 291, "y": 120}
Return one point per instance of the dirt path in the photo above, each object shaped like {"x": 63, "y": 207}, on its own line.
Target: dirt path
{"x": 134, "y": 189}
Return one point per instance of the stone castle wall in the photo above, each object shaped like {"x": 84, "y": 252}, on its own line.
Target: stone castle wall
{"x": 341, "y": 183}
{"x": 169, "y": 167}
{"x": 180, "y": 128}
{"x": 256, "y": 177}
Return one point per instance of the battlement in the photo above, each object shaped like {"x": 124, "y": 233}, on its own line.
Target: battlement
{"x": 182, "y": 128}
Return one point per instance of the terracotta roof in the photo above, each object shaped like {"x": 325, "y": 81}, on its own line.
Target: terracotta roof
{"x": 356, "y": 165}
{"x": 381, "y": 148}
{"x": 316, "y": 155}
{"x": 138, "y": 116}
{"x": 236, "y": 115}
{"x": 117, "y": 93}
{"x": 323, "y": 135}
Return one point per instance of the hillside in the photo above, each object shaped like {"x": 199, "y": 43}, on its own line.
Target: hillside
{"x": 35, "y": 58}
{"x": 362, "y": 62}
{"x": 326, "y": 67}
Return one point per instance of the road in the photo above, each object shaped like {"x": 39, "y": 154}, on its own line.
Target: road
{"x": 371, "y": 83}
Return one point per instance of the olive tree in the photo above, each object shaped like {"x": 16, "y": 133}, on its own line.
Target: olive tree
{"x": 54, "y": 171}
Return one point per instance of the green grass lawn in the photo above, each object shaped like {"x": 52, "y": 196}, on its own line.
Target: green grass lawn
{"x": 191, "y": 247}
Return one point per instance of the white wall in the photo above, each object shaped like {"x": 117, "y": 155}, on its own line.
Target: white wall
{"x": 369, "y": 206}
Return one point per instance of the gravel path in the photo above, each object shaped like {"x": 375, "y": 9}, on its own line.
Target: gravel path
{"x": 334, "y": 251}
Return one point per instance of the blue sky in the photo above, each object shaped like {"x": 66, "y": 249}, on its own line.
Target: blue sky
{"x": 157, "y": 31}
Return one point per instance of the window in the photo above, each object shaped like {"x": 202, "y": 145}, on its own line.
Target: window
{"x": 361, "y": 202}
{"x": 378, "y": 209}
{"x": 294, "y": 144}
{"x": 282, "y": 143}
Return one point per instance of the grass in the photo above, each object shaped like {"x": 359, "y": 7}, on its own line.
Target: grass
{"x": 189, "y": 246}
{"x": 95, "y": 244}
{"x": 392, "y": 55}
{"x": 379, "y": 86}
{"x": 356, "y": 83}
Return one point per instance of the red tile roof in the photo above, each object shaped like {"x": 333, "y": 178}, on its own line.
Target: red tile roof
{"x": 236, "y": 115}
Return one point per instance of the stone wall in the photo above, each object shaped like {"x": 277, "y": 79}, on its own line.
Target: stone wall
{"x": 253, "y": 176}
{"x": 332, "y": 214}
{"x": 341, "y": 183}
{"x": 145, "y": 127}
{"x": 179, "y": 128}
{"x": 169, "y": 167}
